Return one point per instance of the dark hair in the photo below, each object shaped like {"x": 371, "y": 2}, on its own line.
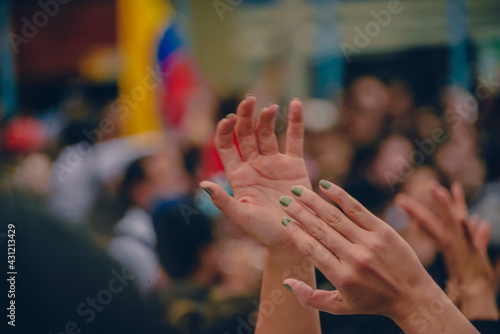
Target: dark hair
{"x": 134, "y": 174}
{"x": 183, "y": 232}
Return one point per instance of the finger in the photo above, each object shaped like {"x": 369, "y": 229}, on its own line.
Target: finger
{"x": 473, "y": 222}
{"x": 422, "y": 215}
{"x": 312, "y": 249}
{"x": 295, "y": 130}
{"x": 266, "y": 138}
{"x": 224, "y": 142}
{"x": 482, "y": 237}
{"x": 351, "y": 207}
{"x": 443, "y": 200}
{"x": 331, "y": 215}
{"x": 221, "y": 199}
{"x": 315, "y": 227}
{"x": 245, "y": 129}
{"x": 468, "y": 232}
{"x": 458, "y": 194}
{"x": 328, "y": 301}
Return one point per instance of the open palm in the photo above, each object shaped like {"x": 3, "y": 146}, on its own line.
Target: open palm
{"x": 259, "y": 175}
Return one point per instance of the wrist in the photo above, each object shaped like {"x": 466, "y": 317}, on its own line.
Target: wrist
{"x": 291, "y": 264}
{"x": 418, "y": 310}
{"x": 478, "y": 301}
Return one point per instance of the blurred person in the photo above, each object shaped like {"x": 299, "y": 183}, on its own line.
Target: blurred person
{"x": 363, "y": 110}
{"x": 400, "y": 112}
{"x": 392, "y": 159}
{"x": 203, "y": 298}
{"x": 426, "y": 122}
{"x": 92, "y": 156}
{"x": 148, "y": 182}
{"x": 456, "y": 162}
{"x": 379, "y": 171}
{"x": 397, "y": 285}
{"x": 463, "y": 241}
{"x": 332, "y": 153}
{"x": 487, "y": 203}
{"x": 65, "y": 282}
{"x": 24, "y": 162}
{"x": 417, "y": 187}
{"x": 460, "y": 154}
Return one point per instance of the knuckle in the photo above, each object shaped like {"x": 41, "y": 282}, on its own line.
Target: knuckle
{"x": 364, "y": 260}
{"x": 356, "y": 208}
{"x": 385, "y": 234}
{"x": 375, "y": 245}
{"x": 318, "y": 231}
{"x": 347, "y": 280}
{"x": 333, "y": 219}
{"x": 446, "y": 242}
{"x": 308, "y": 249}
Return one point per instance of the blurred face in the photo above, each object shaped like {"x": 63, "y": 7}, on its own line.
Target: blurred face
{"x": 417, "y": 186}
{"x": 389, "y": 158}
{"x": 401, "y": 100}
{"x": 364, "y": 110}
{"x": 457, "y": 162}
{"x": 166, "y": 176}
{"x": 427, "y": 122}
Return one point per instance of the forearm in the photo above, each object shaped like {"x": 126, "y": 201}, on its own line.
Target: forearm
{"x": 279, "y": 310}
{"x": 433, "y": 312}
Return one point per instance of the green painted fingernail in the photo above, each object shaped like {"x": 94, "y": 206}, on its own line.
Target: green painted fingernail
{"x": 325, "y": 184}
{"x": 208, "y": 190}
{"x": 297, "y": 191}
{"x": 285, "y": 221}
{"x": 289, "y": 288}
{"x": 285, "y": 201}
{"x": 230, "y": 115}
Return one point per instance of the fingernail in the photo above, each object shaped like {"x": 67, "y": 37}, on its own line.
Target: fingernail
{"x": 271, "y": 103}
{"x": 285, "y": 221}
{"x": 208, "y": 190}
{"x": 325, "y": 184}
{"x": 285, "y": 201}
{"x": 230, "y": 115}
{"x": 248, "y": 95}
{"x": 289, "y": 288}
{"x": 297, "y": 191}
{"x": 295, "y": 99}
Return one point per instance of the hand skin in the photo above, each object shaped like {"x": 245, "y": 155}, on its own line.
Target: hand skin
{"x": 464, "y": 247}
{"x": 258, "y": 177}
{"x": 374, "y": 270}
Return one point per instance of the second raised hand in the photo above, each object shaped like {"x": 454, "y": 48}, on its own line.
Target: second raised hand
{"x": 258, "y": 173}
{"x": 374, "y": 270}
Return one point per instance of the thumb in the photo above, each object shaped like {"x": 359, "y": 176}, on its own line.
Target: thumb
{"x": 327, "y": 301}
{"x": 221, "y": 199}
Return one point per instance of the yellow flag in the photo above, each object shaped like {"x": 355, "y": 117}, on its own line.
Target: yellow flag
{"x": 140, "y": 24}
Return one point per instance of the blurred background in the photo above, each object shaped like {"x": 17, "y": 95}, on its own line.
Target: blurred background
{"x": 108, "y": 110}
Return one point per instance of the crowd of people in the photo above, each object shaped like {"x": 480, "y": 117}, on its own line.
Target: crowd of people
{"x": 387, "y": 219}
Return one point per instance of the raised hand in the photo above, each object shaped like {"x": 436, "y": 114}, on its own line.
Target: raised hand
{"x": 259, "y": 173}
{"x": 463, "y": 242}
{"x": 374, "y": 270}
